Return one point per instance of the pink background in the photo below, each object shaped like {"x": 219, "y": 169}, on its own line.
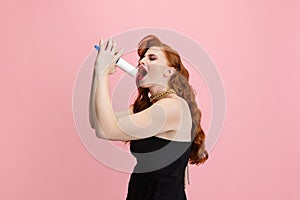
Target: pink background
{"x": 254, "y": 43}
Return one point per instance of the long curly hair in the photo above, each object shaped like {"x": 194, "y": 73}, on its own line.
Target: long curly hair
{"x": 179, "y": 82}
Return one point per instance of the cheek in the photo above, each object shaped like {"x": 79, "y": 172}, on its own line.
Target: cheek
{"x": 156, "y": 70}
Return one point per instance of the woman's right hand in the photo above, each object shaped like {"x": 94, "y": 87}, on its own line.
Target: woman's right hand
{"x": 107, "y": 56}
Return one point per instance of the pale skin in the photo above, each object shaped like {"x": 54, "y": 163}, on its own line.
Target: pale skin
{"x": 168, "y": 118}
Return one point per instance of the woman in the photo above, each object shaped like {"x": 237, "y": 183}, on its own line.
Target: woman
{"x": 163, "y": 124}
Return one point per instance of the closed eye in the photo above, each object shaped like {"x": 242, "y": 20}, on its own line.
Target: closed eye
{"x": 152, "y": 57}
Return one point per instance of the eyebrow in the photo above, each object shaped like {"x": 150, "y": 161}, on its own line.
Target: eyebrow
{"x": 151, "y": 54}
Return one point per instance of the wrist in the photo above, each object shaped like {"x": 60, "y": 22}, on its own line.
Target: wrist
{"x": 101, "y": 75}
{"x": 103, "y": 67}
{"x": 102, "y": 72}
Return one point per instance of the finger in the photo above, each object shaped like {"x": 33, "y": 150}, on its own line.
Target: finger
{"x": 101, "y": 45}
{"x": 100, "y": 41}
{"x": 113, "y": 70}
{"x": 114, "y": 46}
{"x": 109, "y": 44}
{"x": 119, "y": 54}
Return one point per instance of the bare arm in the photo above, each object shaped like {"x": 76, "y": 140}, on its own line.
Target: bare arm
{"x": 91, "y": 118}
{"x": 105, "y": 119}
{"x": 160, "y": 117}
{"x": 163, "y": 116}
{"x": 124, "y": 113}
{"x": 92, "y": 106}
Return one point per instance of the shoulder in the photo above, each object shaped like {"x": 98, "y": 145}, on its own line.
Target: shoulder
{"x": 177, "y": 108}
{"x": 171, "y": 106}
{"x": 131, "y": 109}
{"x": 173, "y": 103}
{"x": 179, "y": 116}
{"x": 169, "y": 102}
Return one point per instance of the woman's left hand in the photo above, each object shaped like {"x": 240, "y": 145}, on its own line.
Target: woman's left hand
{"x": 107, "y": 57}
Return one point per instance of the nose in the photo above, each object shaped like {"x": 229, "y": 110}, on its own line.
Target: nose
{"x": 141, "y": 62}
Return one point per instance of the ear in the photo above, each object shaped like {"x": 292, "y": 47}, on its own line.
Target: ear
{"x": 169, "y": 72}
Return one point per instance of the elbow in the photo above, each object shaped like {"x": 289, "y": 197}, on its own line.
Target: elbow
{"x": 108, "y": 132}
{"x": 107, "y": 135}
{"x": 102, "y": 137}
{"x": 100, "y": 134}
{"x": 92, "y": 125}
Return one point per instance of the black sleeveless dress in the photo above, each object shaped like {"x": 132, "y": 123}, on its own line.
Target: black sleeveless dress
{"x": 159, "y": 171}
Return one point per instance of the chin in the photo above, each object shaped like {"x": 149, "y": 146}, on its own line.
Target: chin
{"x": 143, "y": 85}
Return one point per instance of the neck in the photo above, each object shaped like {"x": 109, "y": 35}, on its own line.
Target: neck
{"x": 161, "y": 93}
{"x": 154, "y": 90}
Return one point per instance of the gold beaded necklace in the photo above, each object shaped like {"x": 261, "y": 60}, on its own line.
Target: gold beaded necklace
{"x": 162, "y": 94}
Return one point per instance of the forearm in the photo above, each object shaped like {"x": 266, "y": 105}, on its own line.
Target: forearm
{"x": 92, "y": 115}
{"x": 104, "y": 114}
{"x": 91, "y": 107}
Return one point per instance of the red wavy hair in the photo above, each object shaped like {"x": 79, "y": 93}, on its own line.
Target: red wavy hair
{"x": 179, "y": 82}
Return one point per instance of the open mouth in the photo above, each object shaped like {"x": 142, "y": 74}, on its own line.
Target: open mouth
{"x": 142, "y": 72}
